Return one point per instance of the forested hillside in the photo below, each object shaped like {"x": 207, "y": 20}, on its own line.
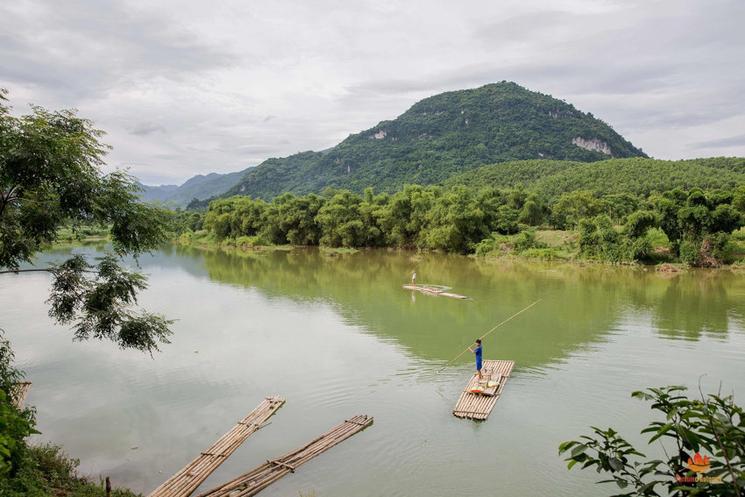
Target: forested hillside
{"x": 198, "y": 187}
{"x": 635, "y": 176}
{"x": 441, "y": 136}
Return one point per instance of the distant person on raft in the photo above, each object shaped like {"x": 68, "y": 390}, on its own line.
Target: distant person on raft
{"x": 477, "y": 352}
{"x": 413, "y": 278}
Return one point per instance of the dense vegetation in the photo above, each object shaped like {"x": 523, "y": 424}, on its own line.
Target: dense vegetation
{"x": 691, "y": 428}
{"x": 691, "y": 226}
{"x": 438, "y": 137}
{"x": 635, "y": 176}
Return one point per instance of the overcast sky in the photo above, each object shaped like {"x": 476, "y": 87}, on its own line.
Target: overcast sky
{"x": 189, "y": 87}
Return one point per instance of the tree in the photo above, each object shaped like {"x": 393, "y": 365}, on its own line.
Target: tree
{"x": 705, "y": 454}
{"x": 738, "y": 199}
{"x": 50, "y": 176}
{"x": 405, "y": 215}
{"x": 340, "y": 221}
{"x": 533, "y": 212}
{"x": 573, "y": 206}
{"x": 456, "y": 222}
{"x": 292, "y": 219}
{"x": 639, "y": 222}
{"x": 698, "y": 224}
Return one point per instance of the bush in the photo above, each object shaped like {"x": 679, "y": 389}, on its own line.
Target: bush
{"x": 244, "y": 242}
{"x": 544, "y": 254}
{"x": 689, "y": 252}
{"x": 46, "y": 471}
{"x": 720, "y": 247}
{"x": 526, "y": 240}
{"x": 694, "y": 428}
{"x": 15, "y": 425}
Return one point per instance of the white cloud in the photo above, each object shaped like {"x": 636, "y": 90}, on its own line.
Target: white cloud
{"x": 183, "y": 87}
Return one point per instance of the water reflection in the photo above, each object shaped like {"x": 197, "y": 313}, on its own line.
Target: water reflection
{"x": 338, "y": 336}
{"x": 578, "y": 304}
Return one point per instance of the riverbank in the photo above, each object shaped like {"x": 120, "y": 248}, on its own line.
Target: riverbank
{"x": 554, "y": 246}
{"x": 46, "y": 470}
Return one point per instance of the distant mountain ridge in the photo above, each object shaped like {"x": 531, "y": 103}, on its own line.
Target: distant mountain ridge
{"x": 441, "y": 136}
{"x": 200, "y": 187}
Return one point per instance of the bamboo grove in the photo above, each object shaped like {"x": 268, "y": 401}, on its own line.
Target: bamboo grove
{"x": 696, "y": 226}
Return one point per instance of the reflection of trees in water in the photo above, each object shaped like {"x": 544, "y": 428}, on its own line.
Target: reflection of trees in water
{"x": 700, "y": 302}
{"x": 578, "y": 307}
{"x": 685, "y": 305}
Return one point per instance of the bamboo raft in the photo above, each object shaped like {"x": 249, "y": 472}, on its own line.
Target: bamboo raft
{"x": 20, "y": 391}
{"x": 261, "y": 477}
{"x": 183, "y": 483}
{"x": 436, "y": 290}
{"x": 479, "y": 405}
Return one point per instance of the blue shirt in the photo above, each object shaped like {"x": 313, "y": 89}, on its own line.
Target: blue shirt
{"x": 478, "y": 353}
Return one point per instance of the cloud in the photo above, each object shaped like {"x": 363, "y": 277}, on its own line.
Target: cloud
{"x": 147, "y": 128}
{"x": 88, "y": 48}
{"x": 184, "y": 88}
{"x": 730, "y": 141}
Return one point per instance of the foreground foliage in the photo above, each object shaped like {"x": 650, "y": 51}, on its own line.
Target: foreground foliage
{"x": 46, "y": 471}
{"x": 15, "y": 424}
{"x": 704, "y": 441}
{"x": 29, "y": 470}
{"x": 50, "y": 178}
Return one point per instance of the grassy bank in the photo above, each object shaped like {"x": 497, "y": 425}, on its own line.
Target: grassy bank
{"x": 205, "y": 240}
{"x": 46, "y": 471}
{"x": 542, "y": 244}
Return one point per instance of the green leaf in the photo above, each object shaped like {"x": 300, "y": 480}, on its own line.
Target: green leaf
{"x": 579, "y": 449}
{"x": 663, "y": 430}
{"x": 615, "y": 464}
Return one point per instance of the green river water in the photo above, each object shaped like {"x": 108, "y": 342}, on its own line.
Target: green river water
{"x": 338, "y": 336}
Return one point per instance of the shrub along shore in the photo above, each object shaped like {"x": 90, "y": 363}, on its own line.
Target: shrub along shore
{"x": 695, "y": 227}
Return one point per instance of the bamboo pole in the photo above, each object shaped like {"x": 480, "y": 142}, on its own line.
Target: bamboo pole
{"x": 489, "y": 332}
{"x": 262, "y": 476}
{"x": 19, "y": 392}
{"x": 185, "y": 481}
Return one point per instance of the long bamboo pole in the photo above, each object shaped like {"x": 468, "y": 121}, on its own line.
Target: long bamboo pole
{"x": 186, "y": 480}
{"x": 259, "y": 478}
{"x": 489, "y": 332}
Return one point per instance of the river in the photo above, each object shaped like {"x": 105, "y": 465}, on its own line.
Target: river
{"x": 336, "y": 335}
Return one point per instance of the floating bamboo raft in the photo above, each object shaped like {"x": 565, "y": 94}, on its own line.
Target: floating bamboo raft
{"x": 20, "y": 391}
{"x": 261, "y": 477}
{"x": 183, "y": 483}
{"x": 479, "y": 405}
{"x": 436, "y": 290}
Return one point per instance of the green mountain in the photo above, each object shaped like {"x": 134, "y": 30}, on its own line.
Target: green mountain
{"x": 639, "y": 176}
{"x": 441, "y": 136}
{"x": 199, "y": 187}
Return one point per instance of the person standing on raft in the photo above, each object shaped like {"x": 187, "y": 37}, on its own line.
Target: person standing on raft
{"x": 477, "y": 352}
{"x": 413, "y": 278}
